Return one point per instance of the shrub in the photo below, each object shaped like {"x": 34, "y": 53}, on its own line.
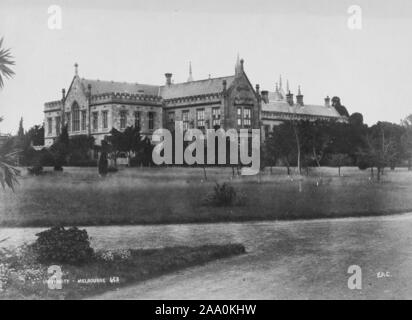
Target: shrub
{"x": 103, "y": 164}
{"x": 112, "y": 169}
{"x": 36, "y": 170}
{"x": 60, "y": 245}
{"x": 224, "y": 195}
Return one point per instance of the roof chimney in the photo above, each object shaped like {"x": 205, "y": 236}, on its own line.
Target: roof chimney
{"x": 89, "y": 89}
{"x": 265, "y": 96}
{"x": 299, "y": 98}
{"x": 76, "y": 69}
{"x": 327, "y": 102}
{"x": 289, "y": 98}
{"x": 168, "y": 78}
{"x": 63, "y": 94}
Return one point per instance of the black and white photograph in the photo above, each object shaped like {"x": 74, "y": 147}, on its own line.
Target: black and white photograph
{"x": 211, "y": 153}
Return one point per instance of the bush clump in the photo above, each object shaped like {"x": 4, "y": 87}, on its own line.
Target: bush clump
{"x": 224, "y": 195}
{"x": 60, "y": 245}
{"x": 35, "y": 170}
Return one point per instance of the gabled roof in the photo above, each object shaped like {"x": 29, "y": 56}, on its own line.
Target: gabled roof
{"x": 195, "y": 88}
{"x": 99, "y": 87}
{"x": 310, "y": 110}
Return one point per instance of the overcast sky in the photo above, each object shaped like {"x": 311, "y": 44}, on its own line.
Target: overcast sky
{"x": 307, "y": 42}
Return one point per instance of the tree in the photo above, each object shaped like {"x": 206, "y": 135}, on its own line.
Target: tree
{"x": 281, "y": 145}
{"x": 6, "y": 60}
{"x": 379, "y": 150}
{"x": 60, "y": 149}
{"x": 127, "y": 141}
{"x": 406, "y": 141}
{"x": 20, "y": 132}
{"x": 8, "y": 173}
{"x": 339, "y": 160}
{"x": 339, "y": 107}
{"x": 103, "y": 163}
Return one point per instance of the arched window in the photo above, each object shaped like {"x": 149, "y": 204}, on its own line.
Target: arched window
{"x": 75, "y": 117}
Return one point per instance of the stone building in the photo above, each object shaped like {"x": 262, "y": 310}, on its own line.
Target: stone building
{"x": 94, "y": 107}
{"x": 279, "y": 106}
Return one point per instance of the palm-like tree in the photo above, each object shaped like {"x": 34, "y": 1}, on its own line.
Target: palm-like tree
{"x": 8, "y": 173}
{"x": 6, "y": 60}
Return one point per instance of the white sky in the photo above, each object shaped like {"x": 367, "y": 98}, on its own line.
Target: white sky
{"x": 308, "y": 42}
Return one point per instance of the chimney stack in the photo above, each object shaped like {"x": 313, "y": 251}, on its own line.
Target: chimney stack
{"x": 63, "y": 94}
{"x": 224, "y": 85}
{"x": 89, "y": 89}
{"x": 289, "y": 98}
{"x": 265, "y": 96}
{"x": 168, "y": 78}
{"x": 299, "y": 98}
{"x": 327, "y": 102}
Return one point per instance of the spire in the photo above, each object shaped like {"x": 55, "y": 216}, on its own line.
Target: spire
{"x": 190, "y": 79}
{"x": 76, "y": 69}
{"x": 237, "y": 66}
{"x": 287, "y": 86}
{"x": 280, "y": 81}
{"x": 277, "y": 88}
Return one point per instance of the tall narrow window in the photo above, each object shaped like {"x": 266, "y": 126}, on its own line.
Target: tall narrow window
{"x": 239, "y": 116}
{"x": 105, "y": 119}
{"x": 76, "y": 117}
{"x": 123, "y": 119}
{"x": 83, "y": 120}
{"x": 50, "y": 126}
{"x": 185, "y": 118}
{"x": 247, "y": 116}
{"x": 216, "y": 117}
{"x": 68, "y": 121}
{"x": 137, "y": 119}
{"x": 200, "y": 118}
{"x": 58, "y": 126}
{"x": 95, "y": 121}
{"x": 151, "y": 120}
{"x": 171, "y": 120}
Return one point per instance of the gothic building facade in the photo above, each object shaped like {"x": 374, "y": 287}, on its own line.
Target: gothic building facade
{"x": 94, "y": 107}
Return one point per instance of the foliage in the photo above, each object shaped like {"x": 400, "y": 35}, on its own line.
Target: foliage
{"x": 36, "y": 170}
{"x": 60, "y": 149}
{"x": 224, "y": 195}
{"x": 339, "y": 160}
{"x": 60, "y": 245}
{"x": 6, "y": 60}
{"x": 103, "y": 164}
{"x": 79, "y": 149}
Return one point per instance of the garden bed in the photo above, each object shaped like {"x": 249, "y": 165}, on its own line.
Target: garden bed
{"x": 23, "y": 278}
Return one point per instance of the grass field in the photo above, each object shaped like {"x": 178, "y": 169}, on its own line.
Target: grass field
{"x": 78, "y": 196}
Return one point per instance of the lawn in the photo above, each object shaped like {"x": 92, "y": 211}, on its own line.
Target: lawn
{"x": 78, "y": 196}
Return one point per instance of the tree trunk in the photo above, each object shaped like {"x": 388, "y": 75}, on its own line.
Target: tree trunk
{"x": 204, "y": 173}
{"x": 409, "y": 164}
{"x": 379, "y": 174}
{"x": 298, "y": 149}
{"x": 339, "y": 171}
{"x": 372, "y": 172}
{"x": 316, "y": 157}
